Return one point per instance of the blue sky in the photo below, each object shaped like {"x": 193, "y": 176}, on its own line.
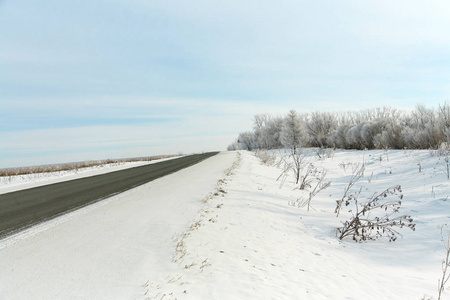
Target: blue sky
{"x": 100, "y": 79}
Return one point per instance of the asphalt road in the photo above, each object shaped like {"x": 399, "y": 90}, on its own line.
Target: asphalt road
{"x": 22, "y": 209}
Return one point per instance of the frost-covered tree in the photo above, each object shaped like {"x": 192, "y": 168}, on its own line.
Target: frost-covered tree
{"x": 233, "y": 146}
{"x": 270, "y": 134}
{"x": 293, "y": 134}
{"x": 247, "y": 141}
{"x": 319, "y": 126}
{"x": 444, "y": 116}
{"x": 337, "y": 139}
{"x": 390, "y": 136}
{"x": 260, "y": 123}
{"x": 354, "y": 138}
{"x": 381, "y": 128}
{"x": 426, "y": 126}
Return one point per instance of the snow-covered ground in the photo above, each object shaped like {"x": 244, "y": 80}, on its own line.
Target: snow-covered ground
{"x": 108, "y": 250}
{"x": 226, "y": 229}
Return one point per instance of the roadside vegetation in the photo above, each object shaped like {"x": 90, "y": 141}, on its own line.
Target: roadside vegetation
{"x": 370, "y": 206}
{"x": 366, "y": 213}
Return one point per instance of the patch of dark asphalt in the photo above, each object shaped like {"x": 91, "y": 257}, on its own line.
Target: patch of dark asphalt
{"x": 25, "y": 208}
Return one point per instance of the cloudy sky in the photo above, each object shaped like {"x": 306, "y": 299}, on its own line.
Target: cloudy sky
{"x": 92, "y": 79}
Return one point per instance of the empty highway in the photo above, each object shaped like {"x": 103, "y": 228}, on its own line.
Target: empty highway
{"x": 22, "y": 209}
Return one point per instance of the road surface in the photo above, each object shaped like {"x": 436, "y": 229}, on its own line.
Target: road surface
{"x": 22, "y": 209}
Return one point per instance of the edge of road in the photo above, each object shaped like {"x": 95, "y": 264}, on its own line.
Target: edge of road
{"x": 26, "y": 208}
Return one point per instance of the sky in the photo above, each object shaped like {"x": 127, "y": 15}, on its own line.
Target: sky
{"x": 83, "y": 80}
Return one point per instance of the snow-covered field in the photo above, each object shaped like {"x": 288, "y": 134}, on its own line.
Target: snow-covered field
{"x": 227, "y": 229}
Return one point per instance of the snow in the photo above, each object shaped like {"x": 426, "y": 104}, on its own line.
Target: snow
{"x": 224, "y": 229}
{"x": 110, "y": 251}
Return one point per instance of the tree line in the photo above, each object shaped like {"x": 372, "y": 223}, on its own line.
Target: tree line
{"x": 378, "y": 128}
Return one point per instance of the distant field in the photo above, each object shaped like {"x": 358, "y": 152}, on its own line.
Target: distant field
{"x": 74, "y": 165}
